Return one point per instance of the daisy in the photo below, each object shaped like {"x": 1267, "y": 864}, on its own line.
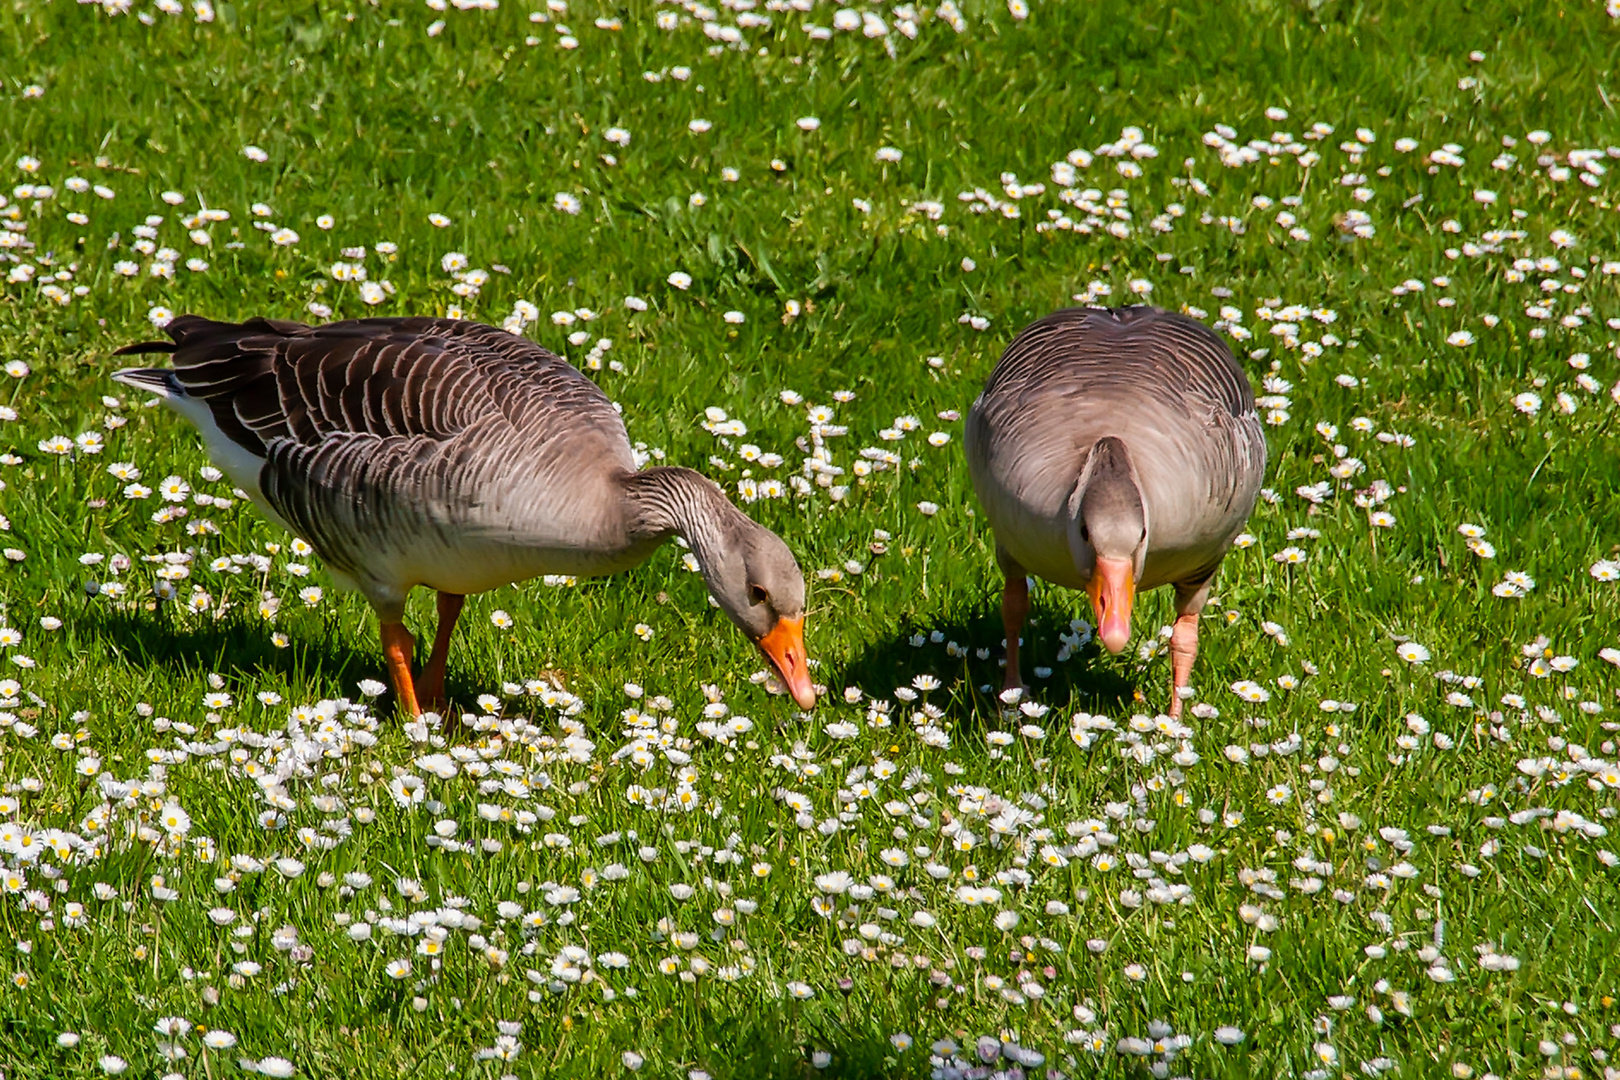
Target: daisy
{"x": 407, "y": 790}
{"x": 174, "y": 819}
{"x": 1412, "y": 652}
{"x": 1251, "y": 691}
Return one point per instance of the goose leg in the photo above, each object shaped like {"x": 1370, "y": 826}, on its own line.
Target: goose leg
{"x": 397, "y": 647}
{"x": 1014, "y": 610}
{"x": 1190, "y": 600}
{"x": 1183, "y": 650}
{"x": 433, "y": 674}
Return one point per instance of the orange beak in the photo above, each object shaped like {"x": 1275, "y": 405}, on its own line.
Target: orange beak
{"x": 784, "y": 648}
{"x": 1112, "y": 589}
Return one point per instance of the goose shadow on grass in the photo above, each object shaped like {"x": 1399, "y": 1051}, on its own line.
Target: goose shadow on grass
{"x": 1088, "y": 679}
{"x": 241, "y": 650}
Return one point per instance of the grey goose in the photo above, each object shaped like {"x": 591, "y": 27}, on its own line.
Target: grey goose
{"x": 1116, "y": 450}
{"x": 459, "y": 457}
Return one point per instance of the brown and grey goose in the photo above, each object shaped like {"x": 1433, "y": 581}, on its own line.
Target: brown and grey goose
{"x": 459, "y": 457}
{"x": 1116, "y": 450}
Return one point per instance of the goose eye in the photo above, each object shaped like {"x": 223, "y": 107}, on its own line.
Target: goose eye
{"x": 757, "y": 594}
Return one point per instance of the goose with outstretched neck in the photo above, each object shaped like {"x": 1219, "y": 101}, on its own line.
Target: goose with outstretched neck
{"x": 458, "y": 457}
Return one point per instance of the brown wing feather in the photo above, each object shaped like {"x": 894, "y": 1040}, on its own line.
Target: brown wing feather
{"x": 1091, "y": 350}
{"x": 271, "y": 379}
{"x": 362, "y": 423}
{"x": 1164, "y": 383}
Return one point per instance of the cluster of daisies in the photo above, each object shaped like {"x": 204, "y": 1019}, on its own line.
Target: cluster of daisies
{"x": 964, "y": 871}
{"x": 1010, "y": 879}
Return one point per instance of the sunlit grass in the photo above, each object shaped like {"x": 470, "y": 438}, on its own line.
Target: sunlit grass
{"x": 1336, "y": 871}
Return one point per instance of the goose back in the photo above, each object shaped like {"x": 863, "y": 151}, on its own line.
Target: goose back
{"x": 1165, "y": 385}
{"x": 417, "y": 450}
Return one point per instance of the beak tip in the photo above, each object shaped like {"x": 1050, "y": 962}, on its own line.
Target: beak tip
{"x": 784, "y": 648}
{"x": 1114, "y": 635}
{"x": 1112, "y": 593}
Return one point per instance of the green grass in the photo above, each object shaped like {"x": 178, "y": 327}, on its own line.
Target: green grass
{"x": 367, "y": 117}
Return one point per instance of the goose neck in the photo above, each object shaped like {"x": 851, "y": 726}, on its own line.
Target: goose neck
{"x": 673, "y": 501}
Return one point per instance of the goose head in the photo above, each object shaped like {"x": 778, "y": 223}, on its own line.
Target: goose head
{"x": 1108, "y": 537}
{"x": 756, "y": 581}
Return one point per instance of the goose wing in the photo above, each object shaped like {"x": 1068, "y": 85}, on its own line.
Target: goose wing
{"x": 372, "y": 429}
{"x": 1164, "y": 383}
{"x": 1091, "y": 356}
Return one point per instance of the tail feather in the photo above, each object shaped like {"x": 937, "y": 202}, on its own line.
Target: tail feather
{"x": 159, "y": 381}
{"x": 179, "y": 329}
{"x": 221, "y": 369}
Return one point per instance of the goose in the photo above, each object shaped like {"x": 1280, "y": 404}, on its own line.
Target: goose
{"x": 459, "y": 457}
{"x": 1115, "y": 450}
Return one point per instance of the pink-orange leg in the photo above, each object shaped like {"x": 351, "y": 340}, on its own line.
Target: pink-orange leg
{"x": 397, "y": 646}
{"x": 432, "y": 684}
{"x": 1183, "y": 651}
{"x": 1014, "y": 610}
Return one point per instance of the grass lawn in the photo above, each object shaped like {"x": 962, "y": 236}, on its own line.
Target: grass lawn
{"x": 1382, "y": 842}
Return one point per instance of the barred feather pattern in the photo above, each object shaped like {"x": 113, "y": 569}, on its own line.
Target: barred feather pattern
{"x": 416, "y": 451}
{"x": 1161, "y": 382}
